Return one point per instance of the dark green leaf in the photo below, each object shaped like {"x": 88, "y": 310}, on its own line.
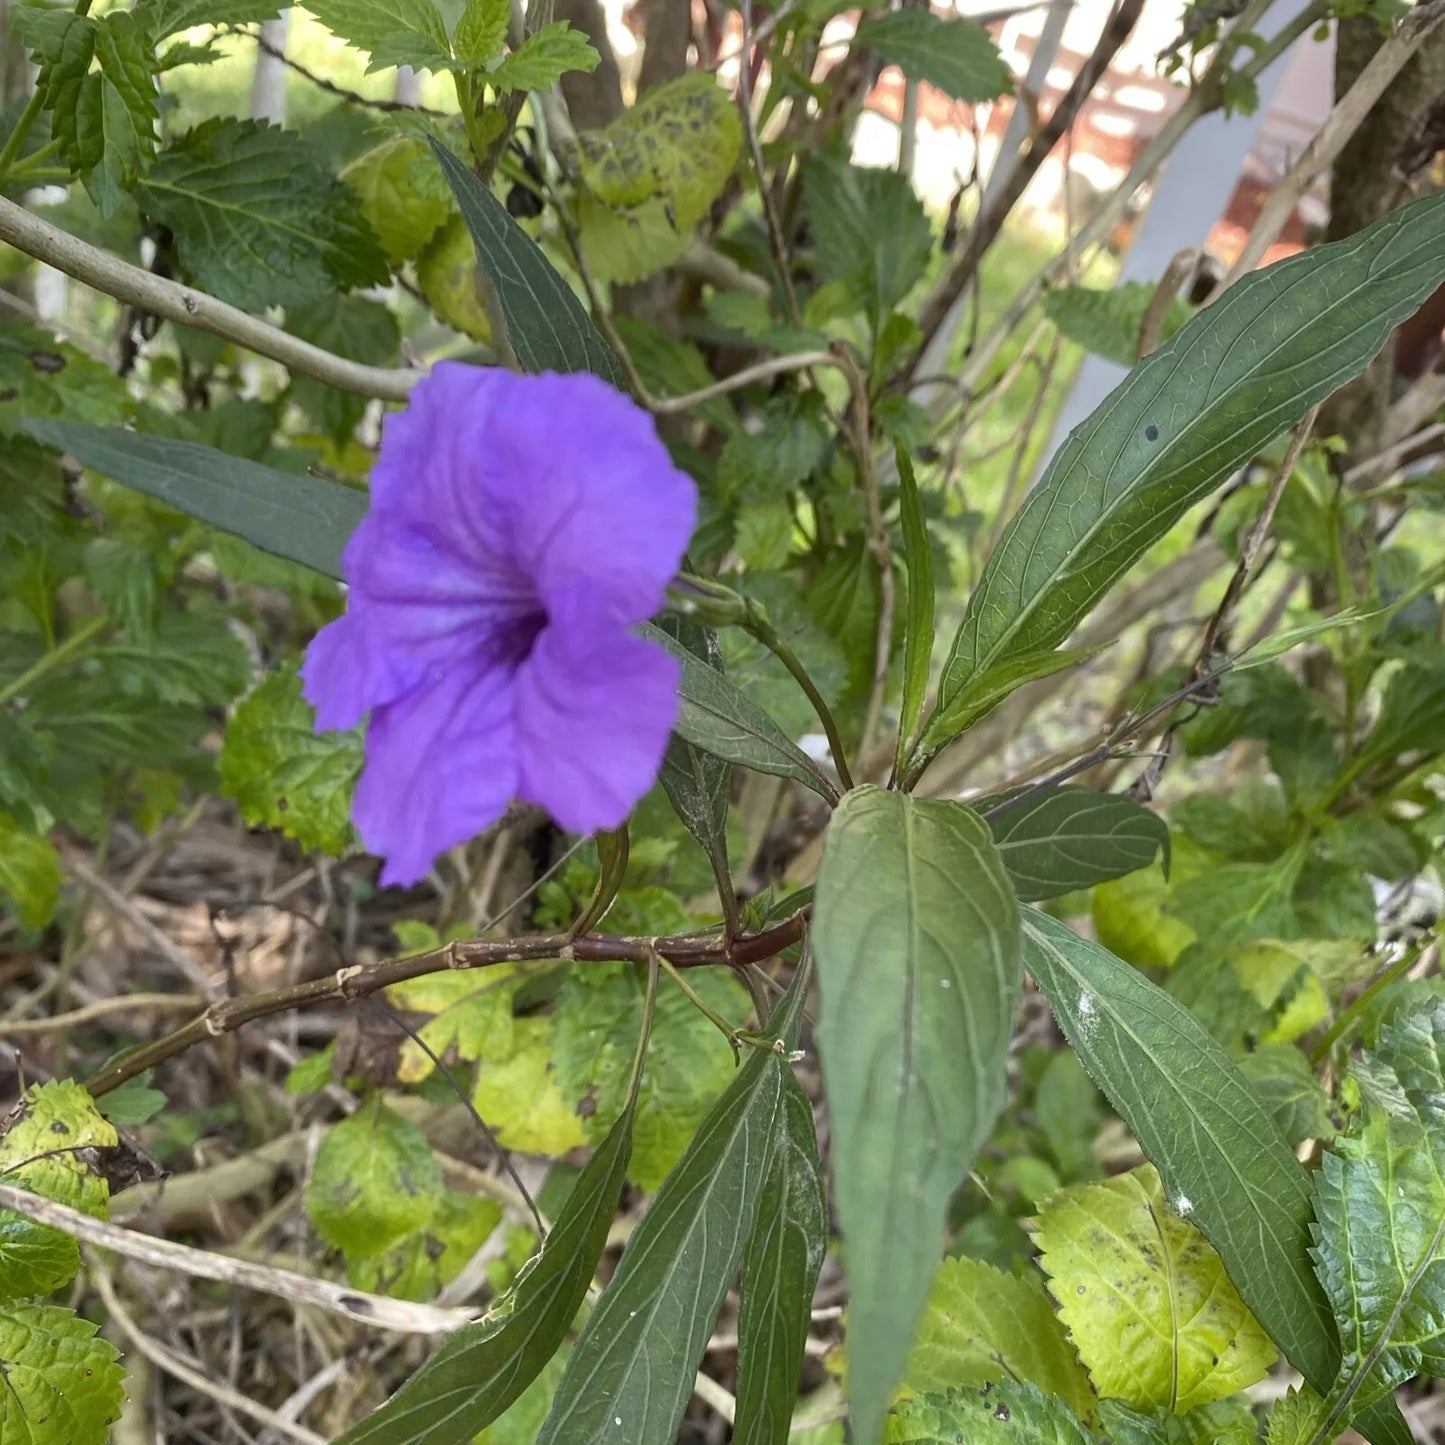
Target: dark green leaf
{"x": 1107, "y": 322}
{"x": 1191, "y": 413}
{"x": 258, "y": 219}
{"x": 918, "y": 633}
{"x": 780, "y": 1269}
{"x": 631, "y": 1371}
{"x": 355, "y": 328}
{"x": 30, "y": 872}
{"x": 167, "y": 17}
{"x": 1284, "y": 1083}
{"x": 479, "y": 1371}
{"x": 302, "y": 518}
{"x": 720, "y": 720}
{"x": 544, "y": 58}
{"x": 546, "y": 324}
{"x": 958, "y": 56}
{"x": 916, "y": 935}
{"x": 1070, "y": 838}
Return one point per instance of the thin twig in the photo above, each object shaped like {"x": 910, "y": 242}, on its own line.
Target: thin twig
{"x": 103, "y": 1008}
{"x": 1151, "y": 324}
{"x": 378, "y": 1311}
{"x": 774, "y": 366}
{"x": 188, "y": 307}
{"x": 330, "y": 87}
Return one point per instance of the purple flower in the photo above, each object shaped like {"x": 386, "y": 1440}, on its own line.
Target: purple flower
{"x": 520, "y": 526}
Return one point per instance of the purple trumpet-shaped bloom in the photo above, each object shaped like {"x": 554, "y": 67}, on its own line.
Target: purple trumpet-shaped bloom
{"x": 520, "y": 526}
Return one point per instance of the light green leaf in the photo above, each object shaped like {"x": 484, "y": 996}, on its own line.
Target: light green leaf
{"x": 395, "y": 32}
{"x": 780, "y": 1270}
{"x": 1410, "y": 714}
{"x": 63, "y": 1384}
{"x": 1107, "y": 322}
{"x": 42, "y": 376}
{"x": 304, "y": 519}
{"x": 1069, "y": 837}
{"x": 869, "y": 229}
{"x": 1155, "y": 1318}
{"x": 918, "y": 632}
{"x": 723, "y": 721}
{"x": 915, "y": 931}
{"x": 448, "y": 275}
{"x": 982, "y": 1324}
{"x": 1129, "y": 913}
{"x": 544, "y": 58}
{"x": 1297, "y": 1419}
{"x": 632, "y": 1369}
{"x": 1237, "y": 902}
{"x": 1284, "y": 1083}
{"x": 481, "y": 31}
{"x": 519, "y": 1096}
{"x": 1004, "y": 1412}
{"x": 375, "y": 1180}
{"x": 30, "y": 872}
{"x": 285, "y": 775}
{"x": 1236, "y": 376}
{"x": 546, "y": 324}
{"x": 1211, "y": 1140}
{"x": 403, "y": 196}
{"x": 958, "y": 56}
{"x": 168, "y": 17}
{"x": 484, "y": 1367}
{"x": 631, "y": 245}
{"x": 1380, "y": 1211}
{"x": 258, "y": 219}
{"x": 133, "y": 1102}
{"x": 1224, "y": 1422}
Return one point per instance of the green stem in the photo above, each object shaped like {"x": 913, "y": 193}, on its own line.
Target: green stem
{"x": 1353, "y": 1013}
{"x": 64, "y": 652}
{"x": 16, "y": 139}
{"x": 703, "y": 1007}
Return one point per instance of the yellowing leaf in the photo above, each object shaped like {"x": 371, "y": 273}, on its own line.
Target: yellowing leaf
{"x": 1155, "y": 1318}
{"x": 402, "y": 194}
{"x": 447, "y": 274}
{"x": 472, "y": 1010}
{"x": 30, "y": 872}
{"x": 1129, "y": 916}
{"x": 980, "y": 1321}
{"x": 60, "y": 1383}
{"x": 519, "y": 1097}
{"x": 628, "y": 245}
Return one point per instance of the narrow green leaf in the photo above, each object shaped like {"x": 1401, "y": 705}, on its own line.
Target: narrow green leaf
{"x": 721, "y": 720}
{"x": 631, "y": 1371}
{"x": 1229, "y": 381}
{"x": 918, "y": 629}
{"x": 546, "y": 323}
{"x": 479, "y": 1371}
{"x": 916, "y": 934}
{"x": 1212, "y": 1142}
{"x": 301, "y": 518}
{"x": 958, "y": 56}
{"x": 1070, "y": 838}
{"x": 780, "y": 1269}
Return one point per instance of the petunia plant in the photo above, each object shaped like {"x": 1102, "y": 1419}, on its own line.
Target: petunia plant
{"x": 686, "y": 684}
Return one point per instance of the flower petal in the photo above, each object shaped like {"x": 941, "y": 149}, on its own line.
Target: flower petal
{"x": 594, "y": 706}
{"x": 440, "y": 767}
{"x": 589, "y": 491}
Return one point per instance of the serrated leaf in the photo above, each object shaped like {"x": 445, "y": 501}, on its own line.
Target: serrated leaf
{"x": 30, "y": 872}
{"x": 780, "y": 1270}
{"x": 63, "y": 1384}
{"x": 285, "y": 775}
{"x": 258, "y": 219}
{"x": 1410, "y": 713}
{"x": 168, "y": 17}
{"x": 543, "y": 58}
{"x": 1224, "y": 1422}
{"x": 1379, "y": 1237}
{"x": 471, "y": 1012}
{"x": 1237, "y": 902}
{"x": 915, "y": 931}
{"x": 981, "y": 1324}
{"x": 403, "y": 197}
{"x": 375, "y": 1179}
{"x": 1006, "y": 1412}
{"x": 1211, "y": 1140}
{"x": 304, "y": 519}
{"x": 481, "y": 31}
{"x": 481, "y": 1369}
{"x": 42, "y": 376}
{"x": 1146, "y": 1299}
{"x": 43, "y": 1149}
{"x": 1070, "y": 837}
{"x": 189, "y": 657}
{"x": 721, "y": 720}
{"x": 520, "y": 1097}
{"x": 1107, "y": 322}
{"x": 918, "y": 631}
{"x": 1296, "y": 1419}
{"x": 958, "y": 56}
{"x": 629, "y": 245}
{"x": 1284, "y": 1083}
{"x": 1236, "y": 376}
{"x": 546, "y": 324}
{"x": 869, "y": 230}
{"x": 632, "y": 1369}
{"x": 394, "y": 32}
{"x": 688, "y": 1061}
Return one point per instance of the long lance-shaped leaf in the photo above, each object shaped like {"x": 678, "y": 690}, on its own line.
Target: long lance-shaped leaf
{"x": 1236, "y": 376}
{"x": 304, "y": 519}
{"x": 1223, "y": 1159}
{"x": 632, "y": 1369}
{"x": 916, "y": 932}
{"x": 780, "y": 1271}
{"x": 546, "y": 323}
